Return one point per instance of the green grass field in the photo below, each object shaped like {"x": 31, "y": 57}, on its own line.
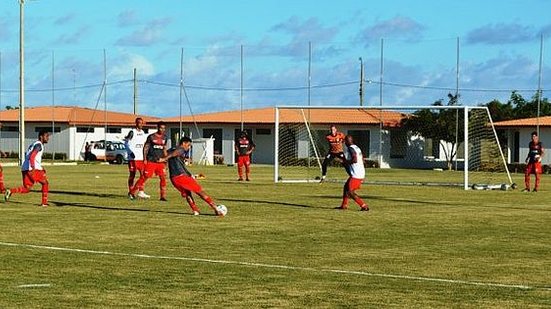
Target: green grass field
{"x": 281, "y": 245}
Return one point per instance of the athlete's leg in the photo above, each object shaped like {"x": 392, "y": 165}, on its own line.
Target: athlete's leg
{"x": 240, "y": 164}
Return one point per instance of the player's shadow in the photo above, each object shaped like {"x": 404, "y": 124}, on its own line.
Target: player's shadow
{"x": 80, "y": 193}
{"x": 83, "y": 205}
{"x": 382, "y": 198}
{"x": 269, "y": 202}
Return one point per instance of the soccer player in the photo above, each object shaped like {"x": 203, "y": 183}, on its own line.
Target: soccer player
{"x": 32, "y": 169}
{"x": 153, "y": 150}
{"x": 2, "y": 187}
{"x": 181, "y": 177}
{"x": 533, "y": 160}
{"x": 354, "y": 164}
{"x": 134, "y": 143}
{"x": 335, "y": 140}
{"x": 244, "y": 146}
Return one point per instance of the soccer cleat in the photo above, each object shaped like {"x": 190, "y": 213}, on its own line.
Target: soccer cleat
{"x": 535, "y": 190}
{"x": 322, "y": 179}
{"x": 240, "y": 179}
{"x": 195, "y": 213}
{"x": 247, "y": 179}
{"x": 44, "y": 205}
{"x": 341, "y": 208}
{"x": 364, "y": 208}
{"x": 131, "y": 196}
{"x": 142, "y": 194}
{"x": 7, "y": 195}
{"x": 526, "y": 190}
{"x": 163, "y": 199}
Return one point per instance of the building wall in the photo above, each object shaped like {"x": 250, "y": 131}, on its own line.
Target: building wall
{"x": 524, "y": 139}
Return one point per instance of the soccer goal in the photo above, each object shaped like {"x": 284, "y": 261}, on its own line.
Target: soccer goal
{"x": 433, "y": 145}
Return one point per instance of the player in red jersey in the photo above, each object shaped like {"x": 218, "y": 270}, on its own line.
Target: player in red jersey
{"x": 2, "y": 187}
{"x": 335, "y": 140}
{"x": 244, "y": 146}
{"x": 32, "y": 170}
{"x": 181, "y": 177}
{"x": 533, "y": 160}
{"x": 153, "y": 150}
{"x": 355, "y": 168}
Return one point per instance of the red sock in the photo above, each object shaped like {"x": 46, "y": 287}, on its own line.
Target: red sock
{"x": 45, "y": 194}
{"x": 344, "y": 203}
{"x": 359, "y": 201}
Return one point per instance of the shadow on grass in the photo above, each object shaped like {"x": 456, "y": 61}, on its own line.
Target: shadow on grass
{"x": 79, "y": 193}
{"x": 269, "y": 202}
{"x": 82, "y": 205}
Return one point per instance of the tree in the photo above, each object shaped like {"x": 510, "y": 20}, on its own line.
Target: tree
{"x": 518, "y": 107}
{"x": 442, "y": 125}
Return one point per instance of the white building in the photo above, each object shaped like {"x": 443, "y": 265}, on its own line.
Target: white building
{"x": 518, "y": 133}
{"x": 398, "y": 149}
{"x": 72, "y": 127}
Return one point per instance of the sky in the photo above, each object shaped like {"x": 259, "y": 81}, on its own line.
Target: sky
{"x": 285, "y": 44}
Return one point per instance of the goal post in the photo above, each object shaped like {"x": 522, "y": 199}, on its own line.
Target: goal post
{"x": 420, "y": 145}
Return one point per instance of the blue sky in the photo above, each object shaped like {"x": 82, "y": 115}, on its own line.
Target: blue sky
{"x": 499, "y": 49}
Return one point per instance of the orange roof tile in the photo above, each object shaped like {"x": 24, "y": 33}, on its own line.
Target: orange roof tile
{"x": 525, "y": 122}
{"x": 319, "y": 116}
{"x": 73, "y": 115}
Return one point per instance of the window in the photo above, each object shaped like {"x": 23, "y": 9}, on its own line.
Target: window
{"x": 263, "y": 131}
{"x": 398, "y": 144}
{"x": 47, "y": 129}
{"x": 217, "y": 135}
{"x": 114, "y": 130}
{"x": 10, "y": 129}
{"x": 432, "y": 148}
{"x": 85, "y": 130}
{"x": 175, "y": 135}
{"x": 516, "y": 147}
{"x": 361, "y": 139}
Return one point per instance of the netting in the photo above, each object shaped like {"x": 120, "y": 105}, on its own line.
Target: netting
{"x": 421, "y": 145}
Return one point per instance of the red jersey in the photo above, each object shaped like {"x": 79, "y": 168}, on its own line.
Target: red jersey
{"x": 335, "y": 142}
{"x": 243, "y": 145}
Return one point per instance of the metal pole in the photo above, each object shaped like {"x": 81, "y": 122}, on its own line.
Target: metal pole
{"x": 105, "y": 100}
{"x": 309, "y": 75}
{"x": 457, "y": 102}
{"x": 181, "y": 88}
{"x": 0, "y": 97}
{"x": 382, "y": 70}
{"x": 539, "y": 85}
{"x": 466, "y": 148}
{"x": 53, "y": 105}
{"x": 361, "y": 82}
{"x": 241, "y": 90}
{"x": 21, "y": 82}
{"x": 135, "y": 101}
{"x": 276, "y": 146}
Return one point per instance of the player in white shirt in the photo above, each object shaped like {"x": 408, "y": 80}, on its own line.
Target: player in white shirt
{"x": 32, "y": 169}
{"x": 134, "y": 142}
{"x": 354, "y": 165}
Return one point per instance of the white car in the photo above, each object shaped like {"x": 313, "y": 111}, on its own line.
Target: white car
{"x": 115, "y": 153}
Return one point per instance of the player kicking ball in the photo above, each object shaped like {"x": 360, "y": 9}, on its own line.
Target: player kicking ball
{"x": 182, "y": 179}
{"x": 354, "y": 165}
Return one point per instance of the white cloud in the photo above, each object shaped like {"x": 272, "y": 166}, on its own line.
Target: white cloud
{"x": 126, "y": 63}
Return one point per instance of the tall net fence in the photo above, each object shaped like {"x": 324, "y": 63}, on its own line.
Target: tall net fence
{"x": 194, "y": 80}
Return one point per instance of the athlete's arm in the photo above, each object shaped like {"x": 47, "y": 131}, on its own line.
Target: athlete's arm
{"x": 146, "y": 148}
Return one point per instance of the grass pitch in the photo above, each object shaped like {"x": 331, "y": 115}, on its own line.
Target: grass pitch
{"x": 281, "y": 245}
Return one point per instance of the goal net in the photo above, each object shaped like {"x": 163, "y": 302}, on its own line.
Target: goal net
{"x": 434, "y": 145}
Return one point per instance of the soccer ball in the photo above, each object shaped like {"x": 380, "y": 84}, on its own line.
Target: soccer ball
{"x": 222, "y": 209}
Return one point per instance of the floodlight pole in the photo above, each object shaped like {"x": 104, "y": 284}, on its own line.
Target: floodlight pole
{"x": 21, "y": 82}
{"x": 539, "y": 85}
{"x": 381, "y": 77}
{"x": 361, "y": 82}
{"x": 135, "y": 98}
{"x": 241, "y": 91}
{"x": 181, "y": 90}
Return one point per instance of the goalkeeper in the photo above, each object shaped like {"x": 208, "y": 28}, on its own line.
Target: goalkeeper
{"x": 335, "y": 140}
{"x": 533, "y": 163}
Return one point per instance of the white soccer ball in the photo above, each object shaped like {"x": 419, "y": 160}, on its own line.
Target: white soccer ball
{"x": 222, "y": 209}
